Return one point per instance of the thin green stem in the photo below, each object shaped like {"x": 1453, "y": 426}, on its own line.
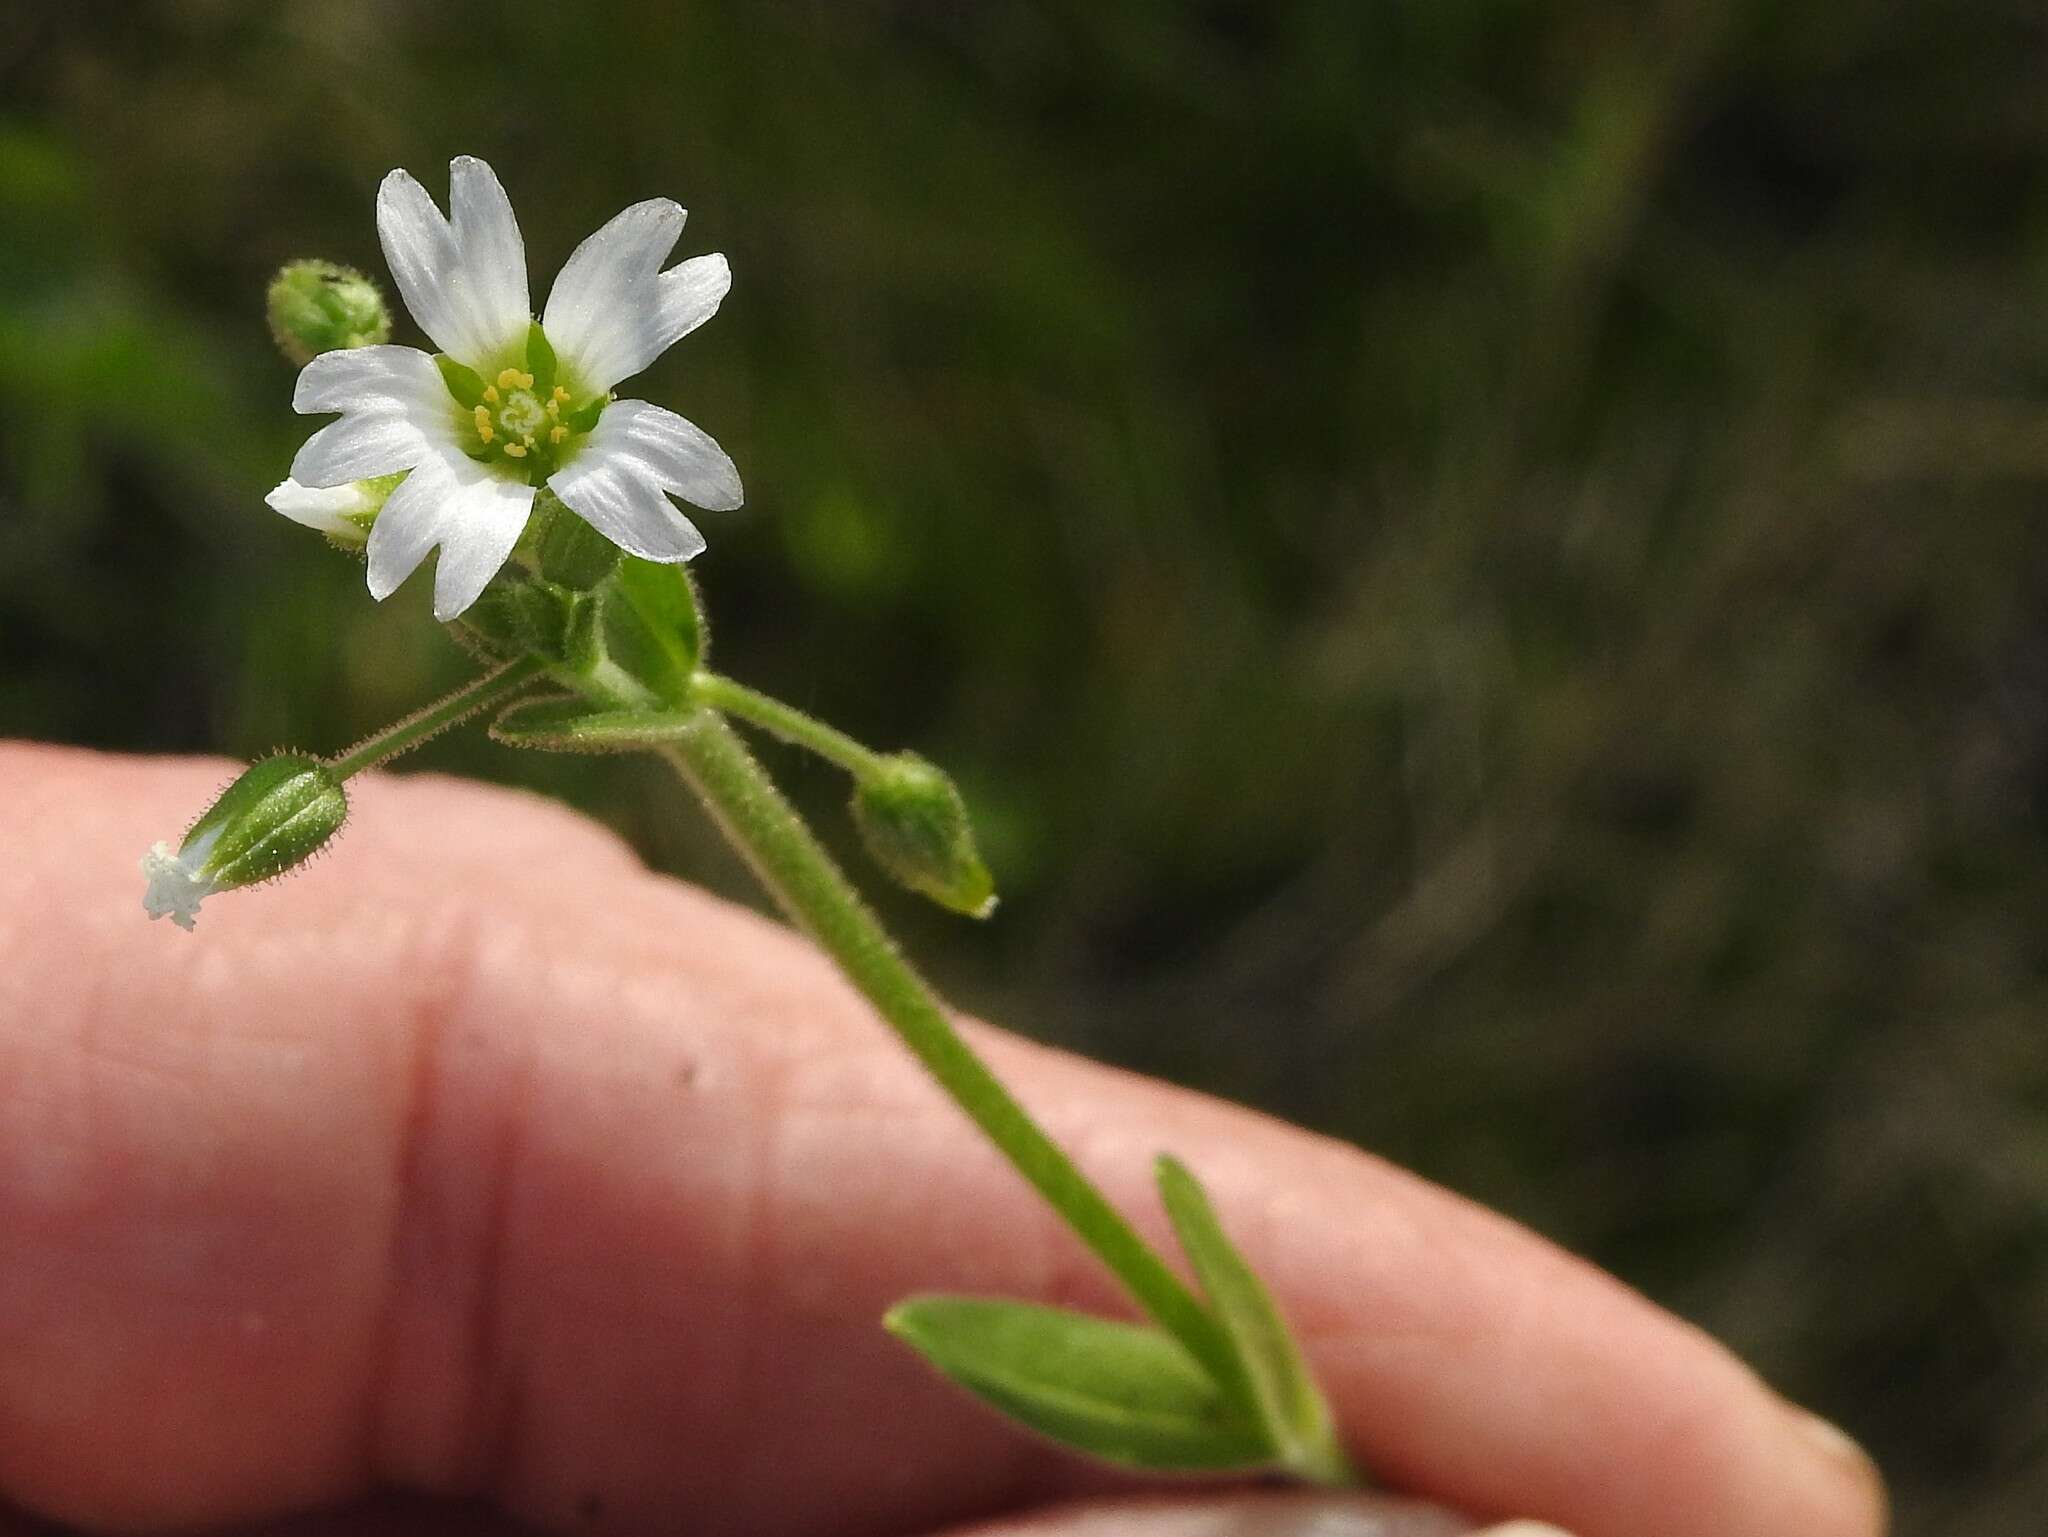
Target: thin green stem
{"x": 803, "y": 878}
{"x": 778, "y": 719}
{"x": 406, "y": 734}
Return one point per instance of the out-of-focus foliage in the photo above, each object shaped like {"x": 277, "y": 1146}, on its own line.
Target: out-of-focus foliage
{"x": 1484, "y": 566}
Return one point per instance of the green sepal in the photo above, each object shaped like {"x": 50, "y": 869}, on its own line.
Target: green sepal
{"x": 1121, "y": 1392}
{"x": 464, "y": 383}
{"x": 276, "y": 815}
{"x": 565, "y": 548}
{"x": 540, "y": 360}
{"x": 520, "y": 615}
{"x": 585, "y": 416}
{"x": 566, "y": 723}
{"x": 653, "y": 628}
{"x": 915, "y": 826}
{"x": 1276, "y": 1381}
{"x": 583, "y": 645}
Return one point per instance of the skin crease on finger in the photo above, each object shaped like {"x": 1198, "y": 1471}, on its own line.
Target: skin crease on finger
{"x": 474, "y": 1158}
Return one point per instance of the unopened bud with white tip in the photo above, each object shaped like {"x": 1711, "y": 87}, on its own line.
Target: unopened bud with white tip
{"x": 276, "y": 816}
{"x": 344, "y": 513}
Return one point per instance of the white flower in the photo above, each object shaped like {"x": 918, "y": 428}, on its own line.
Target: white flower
{"x": 178, "y": 882}
{"x": 511, "y": 405}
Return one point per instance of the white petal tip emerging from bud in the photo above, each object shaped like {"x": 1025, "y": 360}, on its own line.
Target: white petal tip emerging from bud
{"x": 277, "y": 815}
{"x": 343, "y": 513}
{"x": 326, "y": 509}
{"x": 176, "y": 886}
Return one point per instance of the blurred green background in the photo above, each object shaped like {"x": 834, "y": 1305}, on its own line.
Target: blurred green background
{"x": 1483, "y": 564}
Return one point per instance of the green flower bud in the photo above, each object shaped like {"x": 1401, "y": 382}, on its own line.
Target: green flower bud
{"x": 915, "y": 825}
{"x": 277, "y": 815}
{"x": 317, "y": 307}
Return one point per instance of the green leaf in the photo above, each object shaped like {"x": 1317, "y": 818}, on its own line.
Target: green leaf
{"x": 565, "y": 723}
{"x": 1122, "y": 1392}
{"x": 464, "y": 383}
{"x": 652, "y": 628}
{"x": 1277, "y": 1379}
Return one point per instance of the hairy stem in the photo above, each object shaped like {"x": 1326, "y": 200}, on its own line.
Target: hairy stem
{"x": 785, "y": 721}
{"x": 817, "y": 896}
{"x": 404, "y": 735}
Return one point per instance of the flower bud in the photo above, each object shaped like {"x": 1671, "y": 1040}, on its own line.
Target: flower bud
{"x": 317, "y": 306}
{"x": 345, "y": 513}
{"x": 915, "y": 825}
{"x": 277, "y": 815}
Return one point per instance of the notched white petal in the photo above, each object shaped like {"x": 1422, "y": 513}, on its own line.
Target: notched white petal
{"x": 613, "y": 311}
{"x": 484, "y": 522}
{"x": 472, "y": 515}
{"x": 626, "y": 250}
{"x": 638, "y": 454}
{"x": 420, "y": 250}
{"x": 493, "y": 253}
{"x": 681, "y": 455}
{"x": 689, "y": 293}
{"x": 367, "y": 379}
{"x": 359, "y": 447}
{"x": 408, "y": 527}
{"x": 465, "y": 281}
{"x": 623, "y": 502}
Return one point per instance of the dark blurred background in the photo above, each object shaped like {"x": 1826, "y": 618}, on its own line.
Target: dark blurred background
{"x": 1484, "y": 566}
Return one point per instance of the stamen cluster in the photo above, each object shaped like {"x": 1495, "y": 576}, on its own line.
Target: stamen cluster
{"x": 526, "y": 420}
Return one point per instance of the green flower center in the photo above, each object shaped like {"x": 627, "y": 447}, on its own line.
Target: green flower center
{"x": 513, "y": 421}
{"x": 525, "y": 419}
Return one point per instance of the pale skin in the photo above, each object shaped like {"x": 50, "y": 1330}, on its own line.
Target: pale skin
{"x": 476, "y": 1162}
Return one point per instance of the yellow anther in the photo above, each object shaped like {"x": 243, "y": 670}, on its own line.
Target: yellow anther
{"x": 556, "y": 434}
{"x": 561, "y": 394}
{"x": 554, "y": 408}
{"x": 515, "y": 450}
{"x": 508, "y": 378}
{"x": 483, "y": 424}
{"x": 491, "y": 393}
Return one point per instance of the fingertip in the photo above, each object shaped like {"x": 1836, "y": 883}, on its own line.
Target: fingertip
{"x": 1847, "y": 1474}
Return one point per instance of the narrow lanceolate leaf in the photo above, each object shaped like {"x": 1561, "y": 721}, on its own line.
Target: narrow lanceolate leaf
{"x": 564, "y": 723}
{"x": 1276, "y": 1377}
{"x": 1118, "y": 1391}
{"x": 652, "y": 627}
